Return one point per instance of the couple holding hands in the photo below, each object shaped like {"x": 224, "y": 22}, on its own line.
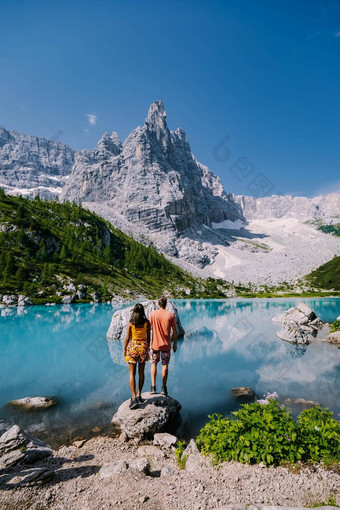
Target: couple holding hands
{"x": 140, "y": 331}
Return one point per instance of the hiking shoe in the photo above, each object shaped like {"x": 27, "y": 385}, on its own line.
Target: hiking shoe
{"x": 140, "y": 399}
{"x": 153, "y": 390}
{"x": 165, "y": 391}
{"x": 133, "y": 403}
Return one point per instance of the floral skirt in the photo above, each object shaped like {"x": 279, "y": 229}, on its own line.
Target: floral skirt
{"x": 137, "y": 352}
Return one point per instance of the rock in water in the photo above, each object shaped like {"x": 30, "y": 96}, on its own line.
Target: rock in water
{"x": 299, "y": 325}
{"x": 120, "y": 319}
{"x": 333, "y": 338}
{"x": 242, "y": 391}
{"x": 34, "y": 403}
{"x": 157, "y": 414}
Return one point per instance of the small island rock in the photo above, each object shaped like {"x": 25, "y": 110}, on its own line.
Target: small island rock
{"x": 299, "y": 325}
{"x": 34, "y": 402}
{"x": 120, "y": 319}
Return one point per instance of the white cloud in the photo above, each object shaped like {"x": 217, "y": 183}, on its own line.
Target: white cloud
{"x": 91, "y": 118}
{"x": 337, "y": 34}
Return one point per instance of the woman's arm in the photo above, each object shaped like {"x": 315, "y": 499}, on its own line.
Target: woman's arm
{"x": 127, "y": 338}
{"x": 148, "y": 333}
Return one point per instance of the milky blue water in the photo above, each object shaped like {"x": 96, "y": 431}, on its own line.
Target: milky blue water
{"x": 62, "y": 351}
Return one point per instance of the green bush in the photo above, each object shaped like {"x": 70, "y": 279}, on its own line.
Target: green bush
{"x": 319, "y": 435}
{"x": 267, "y": 433}
{"x": 335, "y": 326}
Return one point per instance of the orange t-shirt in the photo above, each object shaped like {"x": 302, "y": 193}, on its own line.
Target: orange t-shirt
{"x": 161, "y": 322}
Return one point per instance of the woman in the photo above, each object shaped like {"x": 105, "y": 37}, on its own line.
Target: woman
{"x": 136, "y": 350}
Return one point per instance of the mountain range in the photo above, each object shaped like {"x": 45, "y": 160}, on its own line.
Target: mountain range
{"x": 152, "y": 187}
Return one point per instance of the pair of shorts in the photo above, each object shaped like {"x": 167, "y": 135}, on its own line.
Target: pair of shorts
{"x": 156, "y": 355}
{"x": 137, "y": 352}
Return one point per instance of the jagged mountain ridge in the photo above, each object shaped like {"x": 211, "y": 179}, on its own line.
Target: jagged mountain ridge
{"x": 32, "y": 165}
{"x": 154, "y": 183}
{"x": 152, "y": 187}
{"x": 325, "y": 208}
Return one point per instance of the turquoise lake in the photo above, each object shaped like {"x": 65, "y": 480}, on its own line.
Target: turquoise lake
{"x": 62, "y": 351}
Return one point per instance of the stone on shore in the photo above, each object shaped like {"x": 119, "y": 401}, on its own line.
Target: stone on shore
{"x": 120, "y": 319}
{"x": 191, "y": 449}
{"x": 299, "y": 404}
{"x": 9, "y": 300}
{"x": 34, "y": 402}
{"x": 157, "y": 414}
{"x": 24, "y": 300}
{"x": 16, "y": 446}
{"x": 299, "y": 325}
{"x": 333, "y": 338}
{"x": 164, "y": 440}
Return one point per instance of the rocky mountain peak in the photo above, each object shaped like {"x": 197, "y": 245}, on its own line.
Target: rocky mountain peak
{"x": 155, "y": 122}
{"x": 108, "y": 146}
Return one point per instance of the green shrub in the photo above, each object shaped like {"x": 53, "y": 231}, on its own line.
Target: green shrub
{"x": 335, "y": 326}
{"x": 319, "y": 435}
{"x": 267, "y": 433}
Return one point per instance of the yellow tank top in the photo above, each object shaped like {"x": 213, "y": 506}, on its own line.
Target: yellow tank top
{"x": 138, "y": 334}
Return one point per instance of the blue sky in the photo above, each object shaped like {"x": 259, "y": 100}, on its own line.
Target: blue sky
{"x": 262, "y": 77}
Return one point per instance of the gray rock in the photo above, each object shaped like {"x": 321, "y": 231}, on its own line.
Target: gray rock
{"x": 164, "y": 440}
{"x": 242, "y": 391}
{"x": 34, "y": 402}
{"x": 9, "y": 300}
{"x": 301, "y": 403}
{"x": 16, "y": 438}
{"x": 113, "y": 468}
{"x": 194, "y": 462}
{"x": 191, "y": 448}
{"x": 120, "y": 319}
{"x": 30, "y": 477}
{"x": 67, "y": 300}
{"x": 95, "y": 296}
{"x": 26, "y": 456}
{"x": 299, "y": 325}
{"x": 24, "y": 300}
{"x": 333, "y": 338}
{"x": 82, "y": 287}
{"x": 81, "y": 294}
{"x": 167, "y": 471}
{"x": 150, "y": 451}
{"x": 141, "y": 465}
{"x": 156, "y": 415}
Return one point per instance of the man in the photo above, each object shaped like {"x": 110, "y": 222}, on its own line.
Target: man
{"x": 162, "y": 323}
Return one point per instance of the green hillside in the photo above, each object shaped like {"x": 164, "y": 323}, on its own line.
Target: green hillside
{"x": 326, "y": 276}
{"x": 46, "y": 246}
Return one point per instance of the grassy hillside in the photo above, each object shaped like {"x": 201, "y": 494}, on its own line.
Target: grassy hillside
{"x": 326, "y": 276}
{"x": 45, "y": 246}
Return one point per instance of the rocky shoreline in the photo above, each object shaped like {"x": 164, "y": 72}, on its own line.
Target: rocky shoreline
{"x": 105, "y": 473}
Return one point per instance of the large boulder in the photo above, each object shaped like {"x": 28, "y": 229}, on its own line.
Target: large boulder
{"x": 120, "y": 319}
{"x": 157, "y": 414}
{"x": 299, "y": 325}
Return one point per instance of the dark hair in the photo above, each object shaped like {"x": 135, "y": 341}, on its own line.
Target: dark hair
{"x": 162, "y": 302}
{"x": 138, "y": 317}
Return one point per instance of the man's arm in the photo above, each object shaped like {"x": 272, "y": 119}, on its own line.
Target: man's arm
{"x": 127, "y": 338}
{"x": 174, "y": 334}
